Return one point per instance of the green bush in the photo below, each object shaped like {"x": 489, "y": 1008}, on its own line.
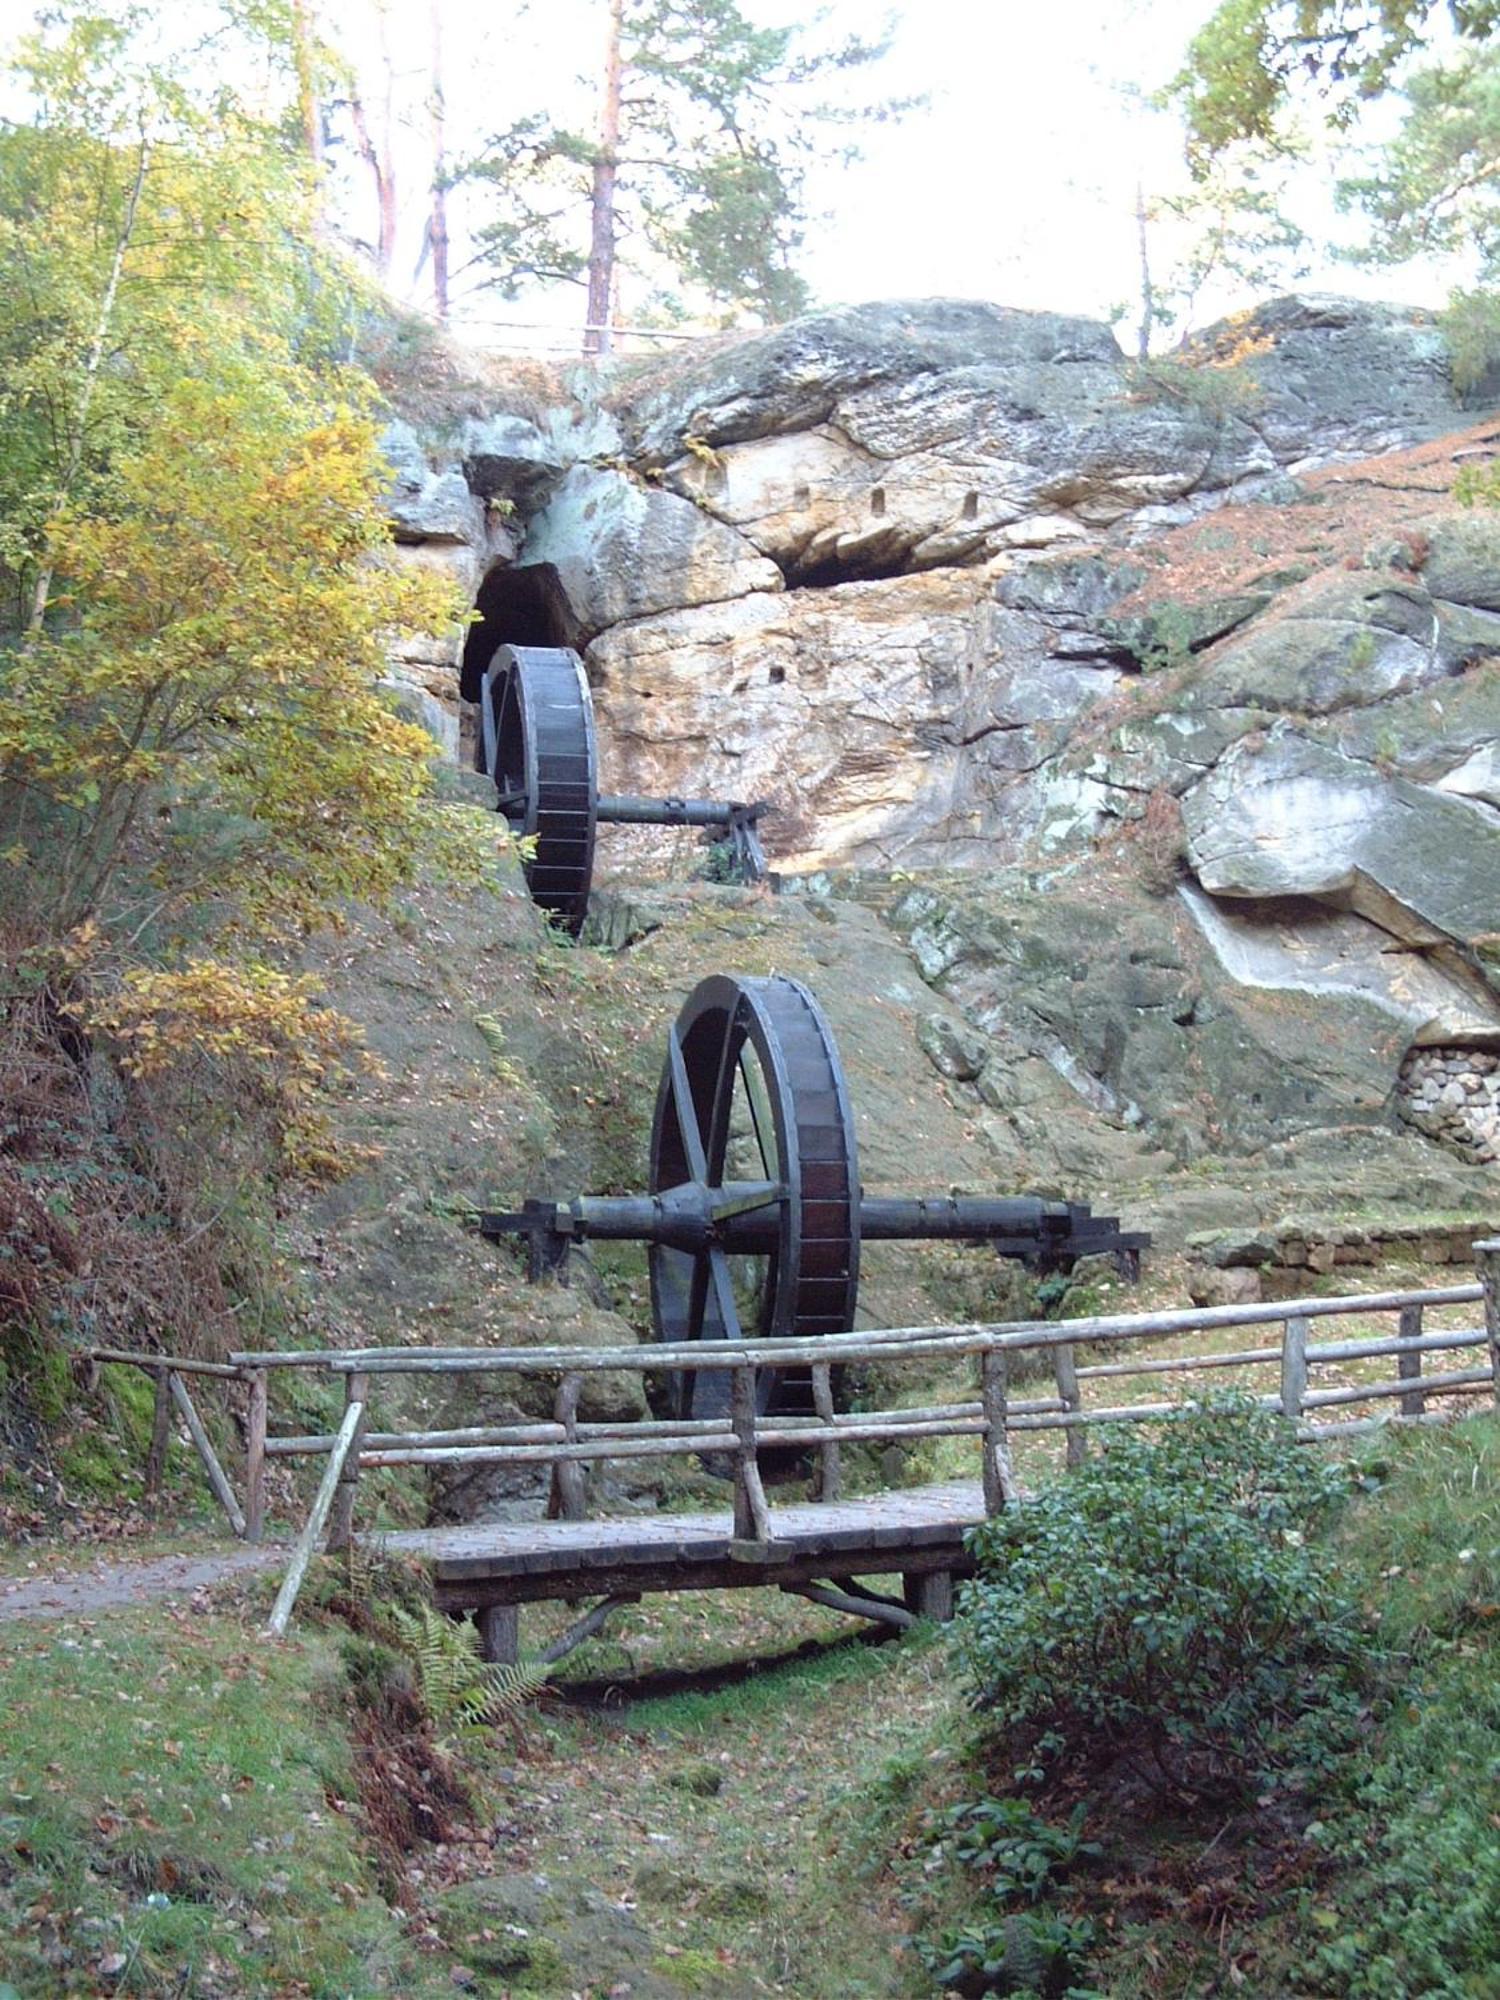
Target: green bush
{"x": 1166, "y": 1603}
{"x": 1037, "y": 1953}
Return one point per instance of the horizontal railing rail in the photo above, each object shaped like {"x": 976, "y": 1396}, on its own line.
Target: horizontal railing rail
{"x": 566, "y": 1443}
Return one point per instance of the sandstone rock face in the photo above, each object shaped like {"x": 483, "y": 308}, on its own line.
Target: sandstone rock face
{"x": 1288, "y": 817}
{"x": 622, "y": 550}
{"x": 899, "y": 569}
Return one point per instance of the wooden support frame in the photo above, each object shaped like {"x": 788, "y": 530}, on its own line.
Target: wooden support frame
{"x": 1487, "y": 1257}
{"x": 1000, "y": 1490}
{"x": 1294, "y": 1368}
{"x": 341, "y": 1514}
{"x": 830, "y": 1466}
{"x": 333, "y": 1473}
{"x": 161, "y": 1433}
{"x": 255, "y": 1456}
{"x": 1065, "y": 1374}
{"x": 1409, "y": 1360}
{"x": 877, "y": 1609}
{"x": 587, "y": 1627}
{"x": 752, "y": 1517}
{"x": 216, "y": 1475}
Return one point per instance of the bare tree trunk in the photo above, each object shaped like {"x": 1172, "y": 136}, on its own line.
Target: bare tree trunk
{"x": 596, "y": 335}
{"x": 438, "y": 225}
{"x": 307, "y": 94}
{"x": 382, "y": 168}
{"x": 380, "y": 156}
{"x": 1148, "y": 294}
{"x": 79, "y": 427}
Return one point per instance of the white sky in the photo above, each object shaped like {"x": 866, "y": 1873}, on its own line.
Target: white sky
{"x": 1017, "y": 183}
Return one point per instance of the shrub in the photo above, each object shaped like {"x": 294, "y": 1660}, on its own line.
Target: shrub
{"x": 1165, "y": 1604}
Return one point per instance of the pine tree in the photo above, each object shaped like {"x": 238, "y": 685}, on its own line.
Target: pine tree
{"x": 695, "y": 165}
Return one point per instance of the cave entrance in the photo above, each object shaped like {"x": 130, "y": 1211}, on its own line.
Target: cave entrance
{"x": 517, "y": 607}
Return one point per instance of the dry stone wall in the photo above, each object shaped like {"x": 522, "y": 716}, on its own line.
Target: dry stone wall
{"x": 1454, "y": 1096}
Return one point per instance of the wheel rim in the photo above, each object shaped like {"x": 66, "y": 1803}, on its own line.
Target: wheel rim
{"x": 753, "y": 1094}
{"x": 538, "y": 721}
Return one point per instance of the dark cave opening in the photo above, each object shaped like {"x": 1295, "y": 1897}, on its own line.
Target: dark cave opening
{"x": 517, "y": 607}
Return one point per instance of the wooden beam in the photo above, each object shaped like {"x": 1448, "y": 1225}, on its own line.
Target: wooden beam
{"x": 967, "y": 1337}
{"x": 1487, "y": 1257}
{"x": 567, "y": 1499}
{"x": 286, "y": 1597}
{"x": 206, "y": 1452}
{"x": 1293, "y": 1368}
{"x": 161, "y": 1436}
{"x": 499, "y": 1633}
{"x": 585, "y": 1628}
{"x": 1409, "y": 1360}
{"x": 341, "y": 1515}
{"x": 1065, "y": 1374}
{"x": 830, "y": 1469}
{"x": 875, "y": 1609}
{"x": 255, "y": 1457}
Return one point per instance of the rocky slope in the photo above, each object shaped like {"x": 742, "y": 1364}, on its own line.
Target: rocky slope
{"x": 1155, "y": 711}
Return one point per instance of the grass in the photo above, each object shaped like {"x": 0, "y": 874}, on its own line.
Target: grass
{"x": 175, "y": 1816}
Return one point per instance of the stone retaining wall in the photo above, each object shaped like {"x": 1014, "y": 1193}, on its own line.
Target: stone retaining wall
{"x": 1453, "y": 1095}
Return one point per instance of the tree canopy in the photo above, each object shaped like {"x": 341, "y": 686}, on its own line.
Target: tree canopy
{"x": 696, "y": 165}
{"x": 1252, "y": 56}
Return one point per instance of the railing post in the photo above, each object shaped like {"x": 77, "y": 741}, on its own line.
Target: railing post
{"x": 999, "y": 1481}
{"x": 161, "y": 1435}
{"x": 341, "y": 1514}
{"x": 830, "y": 1470}
{"x": 1293, "y": 1369}
{"x": 255, "y": 1457}
{"x": 566, "y": 1501}
{"x": 752, "y": 1521}
{"x": 1409, "y": 1365}
{"x": 1065, "y": 1374}
{"x": 1487, "y": 1257}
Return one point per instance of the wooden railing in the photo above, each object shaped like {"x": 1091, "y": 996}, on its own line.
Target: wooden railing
{"x": 992, "y": 1415}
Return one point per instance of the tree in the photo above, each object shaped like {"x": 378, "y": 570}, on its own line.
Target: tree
{"x": 695, "y": 164}
{"x": 161, "y": 190}
{"x": 194, "y": 753}
{"x": 1252, "y": 56}
{"x": 1230, "y": 228}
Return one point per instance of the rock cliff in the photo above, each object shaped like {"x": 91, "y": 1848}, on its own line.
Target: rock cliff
{"x": 1182, "y": 674}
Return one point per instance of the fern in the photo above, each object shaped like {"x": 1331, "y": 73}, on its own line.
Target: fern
{"x": 463, "y": 1694}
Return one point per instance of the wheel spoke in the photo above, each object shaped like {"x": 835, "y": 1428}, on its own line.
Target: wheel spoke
{"x": 760, "y": 1109}
{"x": 687, "y": 1111}
{"x": 723, "y": 1284}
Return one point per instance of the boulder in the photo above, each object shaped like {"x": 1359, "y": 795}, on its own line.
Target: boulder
{"x": 1285, "y": 816}
{"x": 424, "y": 504}
{"x": 1343, "y": 641}
{"x": 509, "y": 458}
{"x": 624, "y": 550}
{"x": 1336, "y": 376}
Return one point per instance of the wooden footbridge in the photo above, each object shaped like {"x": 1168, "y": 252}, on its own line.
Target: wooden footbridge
{"x": 824, "y": 1547}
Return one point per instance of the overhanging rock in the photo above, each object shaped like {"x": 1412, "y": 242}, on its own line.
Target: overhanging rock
{"x": 1283, "y": 816}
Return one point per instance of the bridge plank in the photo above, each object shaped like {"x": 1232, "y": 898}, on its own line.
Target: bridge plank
{"x": 513, "y": 1561}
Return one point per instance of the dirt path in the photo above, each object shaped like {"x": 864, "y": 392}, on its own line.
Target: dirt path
{"x": 108, "y": 1585}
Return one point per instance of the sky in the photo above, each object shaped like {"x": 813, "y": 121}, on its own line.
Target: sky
{"x": 1017, "y": 182}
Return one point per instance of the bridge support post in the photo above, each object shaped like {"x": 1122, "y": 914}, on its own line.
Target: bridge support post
{"x": 929, "y": 1593}
{"x": 341, "y": 1518}
{"x": 499, "y": 1633}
